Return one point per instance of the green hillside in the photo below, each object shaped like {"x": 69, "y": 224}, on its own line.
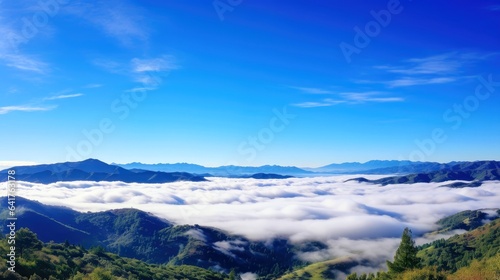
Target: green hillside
{"x": 322, "y": 270}
{"x": 467, "y": 220}
{"x": 136, "y": 234}
{"x": 460, "y": 250}
{"x": 64, "y": 261}
{"x": 472, "y": 255}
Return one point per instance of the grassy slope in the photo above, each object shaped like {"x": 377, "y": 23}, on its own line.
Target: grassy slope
{"x": 321, "y": 270}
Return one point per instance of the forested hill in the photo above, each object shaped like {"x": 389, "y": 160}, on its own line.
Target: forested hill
{"x": 469, "y": 171}
{"x": 53, "y": 261}
{"x": 137, "y": 234}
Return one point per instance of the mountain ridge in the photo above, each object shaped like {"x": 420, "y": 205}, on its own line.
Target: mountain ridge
{"x": 94, "y": 170}
{"x": 474, "y": 172}
{"x": 137, "y": 234}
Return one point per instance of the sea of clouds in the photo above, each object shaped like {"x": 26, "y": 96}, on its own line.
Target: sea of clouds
{"x": 360, "y": 220}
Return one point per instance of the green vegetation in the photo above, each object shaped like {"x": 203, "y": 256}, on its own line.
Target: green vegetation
{"x": 459, "y": 251}
{"x": 64, "y": 261}
{"x": 488, "y": 268}
{"x": 117, "y": 240}
{"x": 406, "y": 255}
{"x": 466, "y": 220}
{"x": 473, "y": 255}
{"x": 406, "y": 264}
{"x": 136, "y": 234}
{"x": 321, "y": 270}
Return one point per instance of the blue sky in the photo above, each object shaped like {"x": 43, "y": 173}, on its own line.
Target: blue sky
{"x": 305, "y": 83}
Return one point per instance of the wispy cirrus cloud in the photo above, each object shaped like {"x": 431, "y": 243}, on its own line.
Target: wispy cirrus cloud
{"x": 120, "y": 20}
{"x": 146, "y": 71}
{"x": 39, "y": 104}
{"x": 440, "y": 64}
{"x": 140, "y": 89}
{"x": 64, "y": 96}
{"x": 409, "y": 81}
{"x": 313, "y": 104}
{"x": 373, "y": 96}
{"x": 437, "y": 69}
{"x": 25, "y": 108}
{"x": 24, "y": 62}
{"x": 312, "y": 90}
{"x": 159, "y": 64}
{"x": 351, "y": 98}
{"x": 93, "y": 86}
{"x": 10, "y": 53}
{"x": 143, "y": 70}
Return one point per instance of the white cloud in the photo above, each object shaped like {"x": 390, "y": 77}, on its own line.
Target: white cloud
{"x": 118, "y": 19}
{"x": 437, "y": 69}
{"x": 310, "y": 90}
{"x": 64, "y": 96}
{"x": 249, "y": 276}
{"x": 197, "y": 234}
{"x": 372, "y": 96}
{"x": 93, "y": 86}
{"x": 439, "y": 64}
{"x": 10, "y": 53}
{"x": 226, "y": 247}
{"x": 147, "y": 71}
{"x": 140, "y": 89}
{"x": 159, "y": 64}
{"x": 351, "y": 98}
{"x": 408, "y": 81}
{"x": 24, "y": 62}
{"x": 353, "y": 219}
{"x": 324, "y": 103}
{"x": 25, "y": 108}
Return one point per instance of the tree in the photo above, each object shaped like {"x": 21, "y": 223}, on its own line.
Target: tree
{"x": 426, "y": 273}
{"x": 99, "y": 250}
{"x": 100, "y": 274}
{"x": 352, "y": 276}
{"x": 35, "y": 277}
{"x": 232, "y": 275}
{"x": 406, "y": 255}
{"x": 27, "y": 241}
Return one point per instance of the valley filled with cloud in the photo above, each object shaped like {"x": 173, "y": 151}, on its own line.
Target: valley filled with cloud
{"x": 360, "y": 220}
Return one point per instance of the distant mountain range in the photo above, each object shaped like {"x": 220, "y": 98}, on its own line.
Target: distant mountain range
{"x": 224, "y": 171}
{"x": 95, "y": 170}
{"x": 475, "y": 172}
{"x": 411, "y": 172}
{"x": 370, "y": 167}
{"x": 349, "y": 167}
{"x": 137, "y": 234}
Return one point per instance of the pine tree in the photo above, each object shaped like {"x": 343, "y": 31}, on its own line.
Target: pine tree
{"x": 406, "y": 255}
